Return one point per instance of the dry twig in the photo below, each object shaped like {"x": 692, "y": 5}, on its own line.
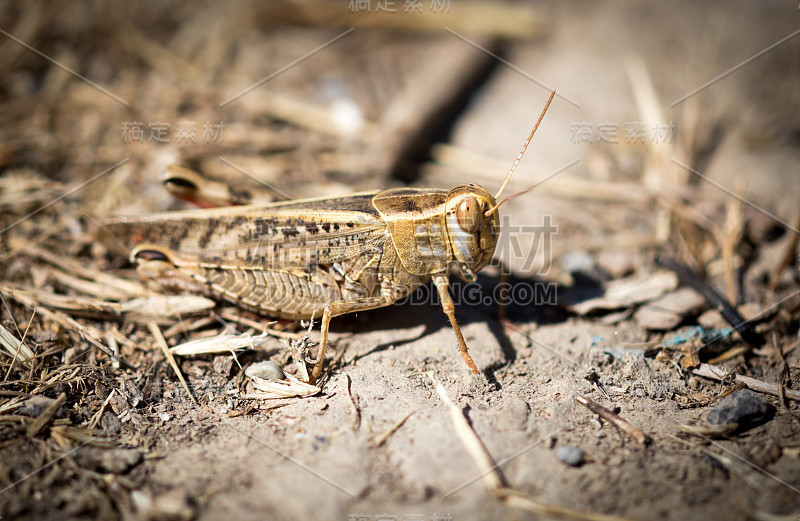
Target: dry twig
{"x": 618, "y": 422}
{"x": 493, "y": 478}
{"x": 353, "y": 404}
{"x": 720, "y": 374}
{"x": 380, "y": 440}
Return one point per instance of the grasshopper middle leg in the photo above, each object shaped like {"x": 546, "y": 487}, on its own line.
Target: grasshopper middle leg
{"x": 335, "y": 309}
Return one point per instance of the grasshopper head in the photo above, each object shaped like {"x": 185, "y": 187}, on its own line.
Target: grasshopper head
{"x": 471, "y": 217}
{"x": 472, "y": 234}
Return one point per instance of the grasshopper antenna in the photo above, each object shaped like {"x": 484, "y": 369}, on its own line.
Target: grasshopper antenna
{"x": 519, "y": 158}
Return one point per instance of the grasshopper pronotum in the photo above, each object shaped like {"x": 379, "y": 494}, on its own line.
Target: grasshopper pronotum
{"x": 328, "y": 256}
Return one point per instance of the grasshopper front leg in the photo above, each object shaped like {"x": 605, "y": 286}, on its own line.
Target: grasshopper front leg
{"x": 442, "y": 285}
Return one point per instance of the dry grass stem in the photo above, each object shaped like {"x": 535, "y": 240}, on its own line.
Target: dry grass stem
{"x": 222, "y": 344}
{"x": 17, "y": 349}
{"x": 381, "y": 439}
{"x": 521, "y": 501}
{"x": 487, "y": 468}
{"x": 96, "y": 417}
{"x": 181, "y": 327}
{"x": 732, "y": 235}
{"x": 129, "y": 288}
{"x": 89, "y": 333}
{"x": 711, "y": 431}
{"x": 499, "y": 20}
{"x": 164, "y": 309}
{"x": 162, "y": 343}
{"x": 729, "y": 354}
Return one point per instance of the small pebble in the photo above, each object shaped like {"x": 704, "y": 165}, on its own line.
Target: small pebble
{"x": 164, "y": 416}
{"x": 576, "y": 261}
{"x": 35, "y": 405}
{"x": 114, "y": 461}
{"x": 110, "y": 423}
{"x": 743, "y": 407}
{"x": 618, "y": 263}
{"x": 570, "y": 455}
{"x": 712, "y": 319}
{"x": 266, "y": 370}
{"x": 668, "y": 311}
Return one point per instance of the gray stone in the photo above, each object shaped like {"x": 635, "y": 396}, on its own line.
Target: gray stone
{"x": 669, "y": 311}
{"x": 619, "y": 263}
{"x": 743, "y": 407}
{"x": 570, "y": 455}
{"x": 110, "y": 423}
{"x": 35, "y": 405}
{"x": 114, "y": 461}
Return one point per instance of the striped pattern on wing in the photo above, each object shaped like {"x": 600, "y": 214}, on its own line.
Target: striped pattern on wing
{"x": 293, "y": 234}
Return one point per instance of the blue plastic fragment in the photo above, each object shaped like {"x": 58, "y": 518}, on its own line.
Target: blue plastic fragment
{"x": 620, "y": 352}
{"x": 712, "y": 335}
{"x": 690, "y": 333}
{"x": 616, "y": 352}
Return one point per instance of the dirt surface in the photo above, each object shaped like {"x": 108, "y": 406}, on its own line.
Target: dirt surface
{"x": 668, "y": 164}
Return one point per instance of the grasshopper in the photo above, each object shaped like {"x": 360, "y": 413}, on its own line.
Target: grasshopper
{"x": 328, "y": 256}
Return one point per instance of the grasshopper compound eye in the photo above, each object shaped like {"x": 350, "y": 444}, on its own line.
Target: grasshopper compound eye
{"x": 468, "y": 215}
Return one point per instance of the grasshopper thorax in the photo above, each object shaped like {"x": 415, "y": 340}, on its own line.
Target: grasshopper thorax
{"x": 472, "y": 233}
